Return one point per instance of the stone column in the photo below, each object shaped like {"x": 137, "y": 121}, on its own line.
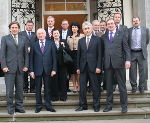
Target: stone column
{"x": 5, "y": 18}
{"x": 141, "y": 8}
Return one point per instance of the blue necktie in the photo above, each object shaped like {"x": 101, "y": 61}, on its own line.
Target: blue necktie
{"x": 29, "y": 35}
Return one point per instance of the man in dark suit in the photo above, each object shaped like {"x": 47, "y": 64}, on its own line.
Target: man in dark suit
{"x": 30, "y": 38}
{"x": 115, "y": 48}
{"x": 64, "y": 33}
{"x": 14, "y": 63}
{"x": 88, "y": 66}
{"x": 138, "y": 41}
{"x": 42, "y": 67}
{"x": 119, "y": 27}
{"x": 50, "y": 23}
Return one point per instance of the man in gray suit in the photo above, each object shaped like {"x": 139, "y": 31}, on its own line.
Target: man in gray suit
{"x": 115, "y": 48}
{"x": 138, "y": 41}
{"x": 14, "y": 63}
{"x": 119, "y": 27}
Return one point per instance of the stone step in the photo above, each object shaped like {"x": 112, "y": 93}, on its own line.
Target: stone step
{"x": 73, "y": 104}
{"x": 71, "y": 115}
{"x": 75, "y": 96}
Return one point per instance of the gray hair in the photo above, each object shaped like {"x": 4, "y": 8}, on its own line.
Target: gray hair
{"x": 95, "y": 21}
{"x": 86, "y": 23}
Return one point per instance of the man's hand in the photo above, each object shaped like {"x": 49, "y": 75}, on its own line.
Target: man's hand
{"x": 53, "y": 73}
{"x": 25, "y": 69}
{"x": 127, "y": 65}
{"x": 78, "y": 71}
{"x": 32, "y": 75}
{"x": 5, "y": 69}
{"x": 98, "y": 70}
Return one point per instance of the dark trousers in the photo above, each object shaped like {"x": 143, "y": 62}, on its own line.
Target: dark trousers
{"x": 121, "y": 79}
{"x": 86, "y": 76}
{"x": 45, "y": 79}
{"x": 14, "y": 80}
{"x": 26, "y": 83}
{"x": 138, "y": 60}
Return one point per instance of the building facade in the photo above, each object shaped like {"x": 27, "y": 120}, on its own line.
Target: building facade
{"x": 72, "y": 10}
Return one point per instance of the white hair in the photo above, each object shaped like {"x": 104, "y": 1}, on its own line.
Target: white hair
{"x": 86, "y": 23}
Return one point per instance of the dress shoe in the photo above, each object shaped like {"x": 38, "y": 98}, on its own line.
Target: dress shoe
{"x": 81, "y": 109}
{"x": 62, "y": 99}
{"x": 96, "y": 109}
{"x": 37, "y": 110}
{"x": 124, "y": 110}
{"x": 134, "y": 89}
{"x": 51, "y": 109}
{"x": 11, "y": 112}
{"x": 25, "y": 91}
{"x": 32, "y": 91}
{"x": 141, "y": 89}
{"x": 68, "y": 90}
{"x": 107, "y": 109}
{"x": 20, "y": 110}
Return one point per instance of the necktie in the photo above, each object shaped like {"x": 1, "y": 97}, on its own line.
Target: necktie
{"x": 111, "y": 36}
{"x": 29, "y": 35}
{"x": 15, "y": 38}
{"x": 42, "y": 46}
{"x": 87, "y": 42}
{"x": 96, "y": 33}
{"x": 117, "y": 28}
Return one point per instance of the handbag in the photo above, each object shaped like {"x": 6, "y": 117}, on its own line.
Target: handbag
{"x": 67, "y": 58}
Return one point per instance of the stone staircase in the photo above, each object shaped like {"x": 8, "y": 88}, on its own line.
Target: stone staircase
{"x": 138, "y": 108}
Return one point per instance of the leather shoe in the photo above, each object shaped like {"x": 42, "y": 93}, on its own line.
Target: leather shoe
{"x": 81, "y": 108}
{"x": 11, "y": 112}
{"x": 96, "y": 109}
{"x": 107, "y": 109}
{"x": 51, "y": 109}
{"x": 37, "y": 110}
{"x": 20, "y": 110}
{"x": 134, "y": 89}
{"x": 124, "y": 110}
{"x": 141, "y": 89}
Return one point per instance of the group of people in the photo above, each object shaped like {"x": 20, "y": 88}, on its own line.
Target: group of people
{"x": 101, "y": 54}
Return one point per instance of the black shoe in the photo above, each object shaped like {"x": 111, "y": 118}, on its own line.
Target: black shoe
{"x": 63, "y": 99}
{"x": 20, "y": 110}
{"x": 141, "y": 89}
{"x": 96, "y": 109}
{"x": 10, "y": 112}
{"x": 25, "y": 91}
{"x": 134, "y": 89}
{"x": 37, "y": 110}
{"x": 51, "y": 109}
{"x": 124, "y": 110}
{"x": 81, "y": 109}
{"x": 32, "y": 91}
{"x": 68, "y": 90}
{"x": 107, "y": 109}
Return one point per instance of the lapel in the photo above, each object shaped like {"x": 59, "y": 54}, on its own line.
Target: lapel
{"x": 142, "y": 33}
{"x": 115, "y": 36}
{"x": 12, "y": 40}
{"x": 46, "y": 46}
{"x": 38, "y": 47}
{"x": 84, "y": 43}
{"x": 91, "y": 41}
{"x": 19, "y": 40}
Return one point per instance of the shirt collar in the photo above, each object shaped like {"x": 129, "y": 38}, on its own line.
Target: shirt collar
{"x": 14, "y": 37}
{"x": 114, "y": 31}
{"x": 137, "y": 27}
{"x": 89, "y": 36}
{"x": 42, "y": 40}
{"x": 51, "y": 28}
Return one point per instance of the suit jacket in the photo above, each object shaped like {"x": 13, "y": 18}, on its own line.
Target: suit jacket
{"x": 42, "y": 62}
{"x": 68, "y": 34}
{"x": 124, "y": 29}
{"x": 144, "y": 39}
{"x": 90, "y": 56}
{"x": 115, "y": 52}
{"x": 32, "y": 39}
{"x": 14, "y": 56}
